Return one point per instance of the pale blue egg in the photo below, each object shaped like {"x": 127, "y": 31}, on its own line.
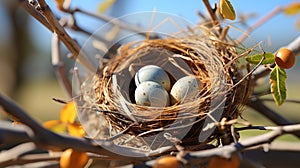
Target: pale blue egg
{"x": 153, "y": 73}
{"x": 185, "y": 89}
{"x": 150, "y": 93}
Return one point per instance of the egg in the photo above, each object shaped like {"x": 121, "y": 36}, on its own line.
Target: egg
{"x": 185, "y": 88}
{"x": 150, "y": 93}
{"x": 153, "y": 73}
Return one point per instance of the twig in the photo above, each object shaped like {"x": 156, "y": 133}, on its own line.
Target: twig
{"x": 263, "y": 20}
{"x": 211, "y": 13}
{"x": 72, "y": 24}
{"x": 259, "y": 106}
{"x": 227, "y": 151}
{"x": 58, "y": 65}
{"x": 117, "y": 22}
{"x": 30, "y": 158}
{"x": 54, "y": 26}
{"x": 287, "y": 100}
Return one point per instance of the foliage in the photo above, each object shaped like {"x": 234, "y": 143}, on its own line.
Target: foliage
{"x": 227, "y": 10}
{"x": 268, "y": 58}
{"x": 278, "y": 82}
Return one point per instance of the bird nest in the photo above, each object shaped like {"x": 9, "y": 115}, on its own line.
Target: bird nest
{"x": 109, "y": 110}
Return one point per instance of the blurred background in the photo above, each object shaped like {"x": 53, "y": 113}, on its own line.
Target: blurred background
{"x": 26, "y": 73}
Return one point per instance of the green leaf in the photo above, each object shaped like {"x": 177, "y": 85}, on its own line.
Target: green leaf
{"x": 227, "y": 10}
{"x": 292, "y": 8}
{"x": 278, "y": 89}
{"x": 269, "y": 58}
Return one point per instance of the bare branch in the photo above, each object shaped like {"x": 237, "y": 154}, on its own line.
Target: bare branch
{"x": 228, "y": 150}
{"x": 12, "y": 154}
{"x": 31, "y": 10}
{"x": 31, "y": 158}
{"x": 212, "y": 14}
{"x": 54, "y": 26}
{"x": 117, "y": 22}
{"x": 259, "y": 106}
{"x": 286, "y": 101}
{"x": 294, "y": 46}
{"x": 58, "y": 65}
{"x": 50, "y": 140}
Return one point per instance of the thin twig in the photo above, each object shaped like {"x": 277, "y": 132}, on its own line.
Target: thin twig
{"x": 287, "y": 100}
{"x": 211, "y": 13}
{"x": 62, "y": 34}
{"x": 117, "y": 22}
{"x": 259, "y": 106}
{"x": 58, "y": 65}
{"x": 30, "y": 158}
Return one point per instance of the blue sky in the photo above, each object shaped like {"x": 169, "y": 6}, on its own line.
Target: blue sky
{"x": 280, "y": 29}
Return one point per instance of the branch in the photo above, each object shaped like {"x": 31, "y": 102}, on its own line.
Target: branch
{"x": 229, "y": 150}
{"x": 31, "y": 10}
{"x": 59, "y": 66}
{"x": 211, "y": 13}
{"x": 31, "y": 158}
{"x": 294, "y": 46}
{"x": 259, "y": 106}
{"x": 54, "y": 26}
{"x": 50, "y": 140}
{"x": 117, "y": 22}
{"x": 191, "y": 158}
{"x": 286, "y": 101}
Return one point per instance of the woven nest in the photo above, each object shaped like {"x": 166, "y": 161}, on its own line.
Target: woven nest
{"x": 212, "y": 60}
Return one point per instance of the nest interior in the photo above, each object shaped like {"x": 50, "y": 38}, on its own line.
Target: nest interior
{"x": 204, "y": 55}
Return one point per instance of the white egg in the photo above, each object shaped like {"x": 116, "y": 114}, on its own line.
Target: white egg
{"x": 150, "y": 93}
{"x": 153, "y": 73}
{"x": 185, "y": 89}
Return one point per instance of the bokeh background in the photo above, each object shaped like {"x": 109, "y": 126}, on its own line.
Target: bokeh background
{"x": 27, "y": 76}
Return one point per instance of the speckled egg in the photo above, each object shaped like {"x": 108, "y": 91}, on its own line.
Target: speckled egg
{"x": 185, "y": 88}
{"x": 153, "y": 73}
{"x": 150, "y": 93}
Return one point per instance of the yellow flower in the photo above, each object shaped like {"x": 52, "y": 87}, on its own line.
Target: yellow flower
{"x": 67, "y": 122}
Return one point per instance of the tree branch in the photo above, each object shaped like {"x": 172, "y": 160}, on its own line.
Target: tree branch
{"x": 211, "y": 13}
{"x": 117, "y": 22}
{"x": 191, "y": 158}
{"x": 259, "y": 106}
{"x": 31, "y": 10}
{"x": 54, "y": 26}
{"x": 59, "y": 66}
{"x": 50, "y": 140}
